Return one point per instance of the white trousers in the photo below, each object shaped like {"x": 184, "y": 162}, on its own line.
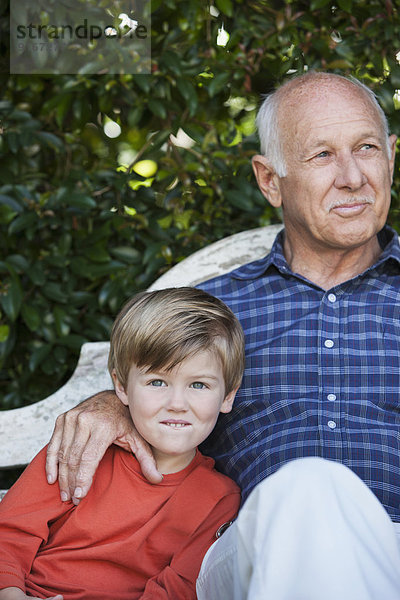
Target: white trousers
{"x": 311, "y": 531}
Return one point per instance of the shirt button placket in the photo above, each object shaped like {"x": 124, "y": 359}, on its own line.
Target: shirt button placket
{"x": 330, "y": 342}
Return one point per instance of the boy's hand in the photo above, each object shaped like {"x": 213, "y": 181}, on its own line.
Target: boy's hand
{"x": 82, "y": 435}
{"x": 14, "y": 593}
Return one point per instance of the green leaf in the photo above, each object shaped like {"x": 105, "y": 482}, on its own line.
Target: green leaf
{"x": 218, "y": 83}
{"x": 80, "y": 201}
{"x": 73, "y": 341}
{"x": 61, "y": 321}
{"x": 18, "y": 262}
{"x": 109, "y": 291}
{"x": 97, "y": 253}
{"x": 49, "y": 139}
{"x": 55, "y": 260}
{"x": 11, "y": 301}
{"x": 13, "y": 141}
{"x": 189, "y": 94}
{"x": 165, "y": 222}
{"x": 62, "y": 107}
{"x": 22, "y": 222}
{"x": 80, "y": 266}
{"x": 172, "y": 62}
{"x": 36, "y": 273}
{"x": 5, "y": 106}
{"x": 8, "y": 345}
{"x": 225, "y": 6}
{"x": 61, "y": 354}
{"x": 346, "y": 5}
{"x": 395, "y": 76}
{"x": 98, "y": 271}
{"x": 11, "y": 202}
{"x": 80, "y": 298}
{"x": 157, "y": 108}
{"x": 126, "y": 253}
{"x": 152, "y": 251}
{"x": 239, "y": 200}
{"x": 315, "y": 4}
{"x": 38, "y": 356}
{"x": 4, "y": 332}
{"x": 144, "y": 82}
{"x": 55, "y": 291}
{"x": 6, "y": 215}
{"x": 31, "y": 317}
{"x": 159, "y": 138}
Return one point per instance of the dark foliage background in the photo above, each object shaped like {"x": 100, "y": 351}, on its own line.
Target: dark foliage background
{"x": 81, "y": 230}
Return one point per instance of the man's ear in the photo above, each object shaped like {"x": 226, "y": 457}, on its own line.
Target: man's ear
{"x": 392, "y": 147}
{"x": 267, "y": 179}
{"x": 228, "y": 402}
{"x": 119, "y": 389}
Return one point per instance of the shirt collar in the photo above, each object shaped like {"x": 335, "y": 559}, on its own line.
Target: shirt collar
{"x": 389, "y": 241}
{"x": 387, "y": 237}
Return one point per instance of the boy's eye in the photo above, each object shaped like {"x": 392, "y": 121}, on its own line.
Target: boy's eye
{"x": 157, "y": 383}
{"x": 197, "y": 385}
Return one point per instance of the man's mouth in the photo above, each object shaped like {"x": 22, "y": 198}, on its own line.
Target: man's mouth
{"x": 352, "y": 206}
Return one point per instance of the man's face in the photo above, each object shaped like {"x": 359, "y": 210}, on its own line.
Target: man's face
{"x": 337, "y": 190}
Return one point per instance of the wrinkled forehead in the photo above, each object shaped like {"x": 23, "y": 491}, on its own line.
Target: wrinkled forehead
{"x": 312, "y": 106}
{"x": 301, "y": 92}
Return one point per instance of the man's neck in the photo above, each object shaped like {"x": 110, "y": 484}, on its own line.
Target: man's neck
{"x": 328, "y": 267}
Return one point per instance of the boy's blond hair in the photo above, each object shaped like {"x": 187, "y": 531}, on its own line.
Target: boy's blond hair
{"x": 160, "y": 329}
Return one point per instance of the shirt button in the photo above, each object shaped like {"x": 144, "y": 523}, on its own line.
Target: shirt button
{"x": 329, "y": 343}
{"x": 331, "y": 424}
{"x": 332, "y": 298}
{"x": 331, "y": 397}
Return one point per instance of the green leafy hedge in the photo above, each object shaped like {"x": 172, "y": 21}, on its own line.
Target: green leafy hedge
{"x": 81, "y": 229}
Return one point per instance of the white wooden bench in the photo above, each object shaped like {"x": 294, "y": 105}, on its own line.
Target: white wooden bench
{"x": 23, "y": 431}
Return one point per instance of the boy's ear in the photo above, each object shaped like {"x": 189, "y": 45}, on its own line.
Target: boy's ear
{"x": 267, "y": 179}
{"x": 119, "y": 389}
{"x": 228, "y": 402}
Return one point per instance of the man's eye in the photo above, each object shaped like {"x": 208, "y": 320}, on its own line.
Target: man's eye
{"x": 157, "y": 382}
{"x": 322, "y": 154}
{"x": 197, "y": 385}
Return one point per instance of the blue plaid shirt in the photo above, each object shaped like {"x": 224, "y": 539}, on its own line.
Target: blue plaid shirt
{"x": 322, "y": 373}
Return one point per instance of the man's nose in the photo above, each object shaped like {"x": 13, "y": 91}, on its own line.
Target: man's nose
{"x": 349, "y": 174}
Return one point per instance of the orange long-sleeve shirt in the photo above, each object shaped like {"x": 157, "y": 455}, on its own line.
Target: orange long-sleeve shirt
{"x": 127, "y": 539}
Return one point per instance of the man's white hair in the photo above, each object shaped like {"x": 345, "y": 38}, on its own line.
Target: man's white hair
{"x": 267, "y": 117}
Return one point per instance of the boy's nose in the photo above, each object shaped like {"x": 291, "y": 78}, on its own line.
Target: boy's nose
{"x": 176, "y": 399}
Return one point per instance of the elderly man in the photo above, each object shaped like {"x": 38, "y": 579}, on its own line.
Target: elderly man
{"x": 321, "y": 318}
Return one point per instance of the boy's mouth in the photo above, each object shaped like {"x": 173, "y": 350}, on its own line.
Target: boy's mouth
{"x": 175, "y": 424}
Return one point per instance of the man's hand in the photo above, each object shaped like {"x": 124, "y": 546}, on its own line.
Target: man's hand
{"x": 82, "y": 435}
{"x": 14, "y": 593}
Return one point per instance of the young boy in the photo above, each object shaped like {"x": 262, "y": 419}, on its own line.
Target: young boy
{"x": 176, "y": 359}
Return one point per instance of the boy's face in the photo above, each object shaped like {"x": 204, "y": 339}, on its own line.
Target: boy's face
{"x": 174, "y": 411}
